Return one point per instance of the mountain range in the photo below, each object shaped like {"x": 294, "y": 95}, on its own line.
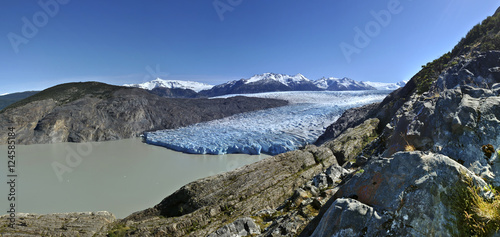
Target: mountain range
{"x": 267, "y": 82}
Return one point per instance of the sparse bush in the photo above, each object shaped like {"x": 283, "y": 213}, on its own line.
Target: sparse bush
{"x": 476, "y": 215}
{"x": 410, "y": 148}
{"x": 119, "y": 230}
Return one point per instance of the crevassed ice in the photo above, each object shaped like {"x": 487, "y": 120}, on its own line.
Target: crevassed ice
{"x": 270, "y": 131}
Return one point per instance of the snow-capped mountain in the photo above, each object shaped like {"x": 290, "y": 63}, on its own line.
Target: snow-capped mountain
{"x": 172, "y": 84}
{"x": 386, "y": 86}
{"x": 282, "y": 78}
{"x": 341, "y": 84}
{"x": 296, "y": 83}
{"x": 267, "y": 82}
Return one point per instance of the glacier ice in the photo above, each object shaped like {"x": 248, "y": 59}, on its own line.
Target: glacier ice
{"x": 270, "y": 131}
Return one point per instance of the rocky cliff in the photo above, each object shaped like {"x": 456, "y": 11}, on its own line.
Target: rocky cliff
{"x": 436, "y": 143}
{"x": 79, "y": 112}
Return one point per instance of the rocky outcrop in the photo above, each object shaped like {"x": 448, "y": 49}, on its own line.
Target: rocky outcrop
{"x": 349, "y": 119}
{"x": 350, "y": 144}
{"x": 383, "y": 111}
{"x": 456, "y": 118}
{"x": 241, "y": 227}
{"x": 455, "y": 128}
{"x": 60, "y": 224}
{"x": 71, "y": 113}
{"x": 409, "y": 194}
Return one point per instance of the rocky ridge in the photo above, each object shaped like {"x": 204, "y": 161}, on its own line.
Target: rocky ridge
{"x": 414, "y": 193}
{"x": 85, "y": 224}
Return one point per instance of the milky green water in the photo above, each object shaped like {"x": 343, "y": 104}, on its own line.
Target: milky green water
{"x": 118, "y": 176}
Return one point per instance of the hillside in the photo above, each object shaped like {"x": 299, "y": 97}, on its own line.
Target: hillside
{"x": 6, "y": 100}
{"x": 92, "y": 111}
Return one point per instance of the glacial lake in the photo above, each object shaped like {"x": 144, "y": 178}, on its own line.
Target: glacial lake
{"x": 122, "y": 176}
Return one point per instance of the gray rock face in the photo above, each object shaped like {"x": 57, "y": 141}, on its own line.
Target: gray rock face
{"x": 59, "y": 224}
{"x": 350, "y": 218}
{"x": 122, "y": 113}
{"x": 456, "y": 118}
{"x": 349, "y": 119}
{"x": 409, "y": 194}
{"x": 412, "y": 193}
{"x": 240, "y": 227}
{"x": 349, "y": 144}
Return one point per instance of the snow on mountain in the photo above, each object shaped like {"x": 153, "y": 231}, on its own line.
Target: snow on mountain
{"x": 401, "y": 83}
{"x": 282, "y": 78}
{"x": 270, "y": 131}
{"x": 269, "y": 82}
{"x": 172, "y": 84}
{"x": 386, "y": 86}
{"x": 341, "y": 84}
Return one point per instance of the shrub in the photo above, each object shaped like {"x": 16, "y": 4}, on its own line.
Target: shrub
{"x": 476, "y": 215}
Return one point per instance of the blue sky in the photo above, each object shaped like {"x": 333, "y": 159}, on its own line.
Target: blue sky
{"x": 126, "y": 41}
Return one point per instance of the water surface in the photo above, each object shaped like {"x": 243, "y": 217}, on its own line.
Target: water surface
{"x": 117, "y": 176}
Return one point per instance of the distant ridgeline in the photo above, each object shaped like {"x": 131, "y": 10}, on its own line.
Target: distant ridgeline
{"x": 6, "y": 100}
{"x": 267, "y": 82}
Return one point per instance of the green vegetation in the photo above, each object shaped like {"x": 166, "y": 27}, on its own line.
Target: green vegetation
{"x": 476, "y": 215}
{"x": 360, "y": 171}
{"x": 119, "y": 230}
{"x": 482, "y": 37}
{"x": 66, "y": 93}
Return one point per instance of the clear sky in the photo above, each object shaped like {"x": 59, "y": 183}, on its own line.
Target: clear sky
{"x": 127, "y": 41}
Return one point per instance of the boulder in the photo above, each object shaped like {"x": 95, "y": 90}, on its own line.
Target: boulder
{"x": 241, "y": 227}
{"x": 456, "y": 118}
{"x": 409, "y": 194}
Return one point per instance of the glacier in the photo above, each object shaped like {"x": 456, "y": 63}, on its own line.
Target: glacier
{"x": 271, "y": 131}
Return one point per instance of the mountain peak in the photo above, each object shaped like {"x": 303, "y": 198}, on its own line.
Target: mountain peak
{"x": 282, "y": 78}
{"x": 171, "y": 84}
